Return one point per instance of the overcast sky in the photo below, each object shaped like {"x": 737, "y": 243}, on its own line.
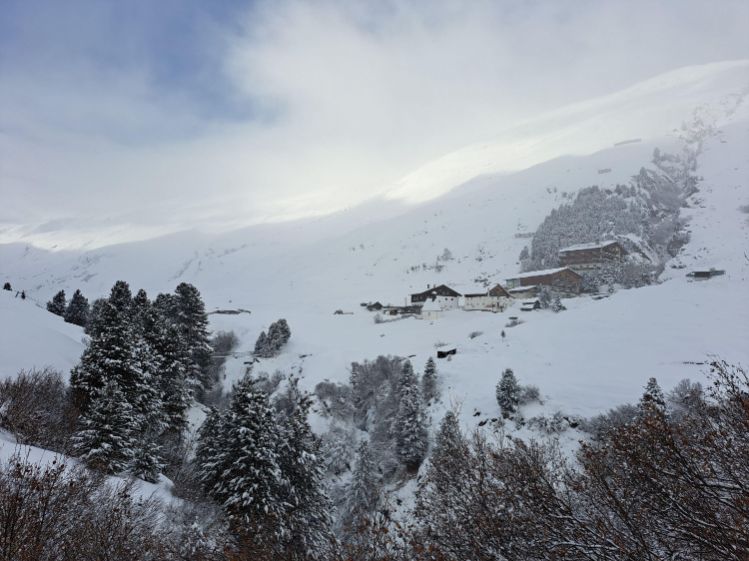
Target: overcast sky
{"x": 130, "y": 119}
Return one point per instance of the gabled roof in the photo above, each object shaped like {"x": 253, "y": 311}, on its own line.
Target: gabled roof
{"x": 584, "y": 246}
{"x": 446, "y": 290}
{"x": 542, "y": 273}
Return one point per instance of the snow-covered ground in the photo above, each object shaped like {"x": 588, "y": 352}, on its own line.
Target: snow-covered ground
{"x": 595, "y": 355}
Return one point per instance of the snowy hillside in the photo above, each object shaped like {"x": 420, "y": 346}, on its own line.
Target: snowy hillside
{"x": 581, "y": 359}
{"x": 34, "y": 338}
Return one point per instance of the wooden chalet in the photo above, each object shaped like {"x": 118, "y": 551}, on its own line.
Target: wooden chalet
{"x": 587, "y": 256}
{"x": 562, "y": 279}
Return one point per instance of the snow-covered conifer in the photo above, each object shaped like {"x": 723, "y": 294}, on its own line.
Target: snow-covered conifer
{"x": 429, "y": 388}
{"x": 508, "y": 393}
{"x": 653, "y": 399}
{"x": 363, "y": 498}
{"x": 308, "y": 518}
{"x": 251, "y": 486}
{"x": 193, "y": 323}
{"x": 77, "y": 311}
{"x": 58, "y": 304}
{"x": 106, "y": 439}
{"x": 409, "y": 425}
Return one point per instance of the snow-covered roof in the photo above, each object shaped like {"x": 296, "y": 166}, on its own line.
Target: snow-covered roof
{"x": 583, "y": 246}
{"x": 522, "y": 288}
{"x": 539, "y": 273}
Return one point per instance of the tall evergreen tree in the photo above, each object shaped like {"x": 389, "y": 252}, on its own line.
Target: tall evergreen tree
{"x": 106, "y": 439}
{"x": 121, "y": 297}
{"x": 429, "y": 389}
{"x": 58, "y": 304}
{"x": 653, "y": 399}
{"x": 140, "y": 307}
{"x": 170, "y": 365}
{"x": 93, "y": 324}
{"x": 364, "y": 497}
{"x": 252, "y": 485}
{"x": 192, "y": 320}
{"x": 78, "y": 310}
{"x": 308, "y": 516}
{"x": 508, "y": 393}
{"x": 211, "y": 453}
{"x": 109, "y": 356}
{"x": 409, "y": 426}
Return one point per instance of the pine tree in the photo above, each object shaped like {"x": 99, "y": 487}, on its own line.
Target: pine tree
{"x": 429, "y": 390}
{"x": 77, "y": 311}
{"x": 93, "y": 325}
{"x": 147, "y": 462}
{"x": 408, "y": 376}
{"x": 193, "y": 323}
{"x": 108, "y": 356}
{"x": 106, "y": 437}
{"x": 251, "y": 486}
{"x": 261, "y": 346}
{"x": 308, "y": 518}
{"x": 508, "y": 393}
{"x": 121, "y": 297}
{"x": 58, "y": 304}
{"x": 140, "y": 307}
{"x": 363, "y": 497}
{"x": 170, "y": 365}
{"x": 653, "y": 399}
{"x": 409, "y": 426}
{"x": 211, "y": 452}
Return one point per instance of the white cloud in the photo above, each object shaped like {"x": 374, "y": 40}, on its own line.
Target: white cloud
{"x": 352, "y": 99}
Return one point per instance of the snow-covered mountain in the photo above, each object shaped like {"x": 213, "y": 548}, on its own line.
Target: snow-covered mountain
{"x": 490, "y": 197}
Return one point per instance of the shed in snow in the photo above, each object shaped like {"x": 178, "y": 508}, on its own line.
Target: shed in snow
{"x": 530, "y": 305}
{"x": 705, "y": 274}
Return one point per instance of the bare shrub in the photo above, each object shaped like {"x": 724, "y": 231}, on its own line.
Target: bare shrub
{"x": 36, "y": 407}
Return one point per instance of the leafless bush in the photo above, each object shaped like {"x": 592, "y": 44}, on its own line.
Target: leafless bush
{"x": 35, "y": 406}
{"x": 529, "y": 394}
{"x": 56, "y": 512}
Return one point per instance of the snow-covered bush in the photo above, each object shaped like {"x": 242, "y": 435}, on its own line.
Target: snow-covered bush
{"x": 529, "y": 394}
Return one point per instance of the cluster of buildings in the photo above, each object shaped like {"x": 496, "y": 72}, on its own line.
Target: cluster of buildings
{"x": 567, "y": 279}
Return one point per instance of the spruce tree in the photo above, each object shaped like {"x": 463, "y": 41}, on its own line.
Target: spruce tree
{"x": 140, "y": 307}
{"x": 93, "y": 324}
{"x": 211, "y": 451}
{"x": 300, "y": 461}
{"x": 192, "y": 321}
{"x": 252, "y": 485}
{"x": 121, "y": 297}
{"x": 58, "y": 304}
{"x": 106, "y": 438}
{"x": 409, "y": 426}
{"x": 508, "y": 393}
{"x": 261, "y": 346}
{"x": 653, "y": 399}
{"x": 146, "y": 462}
{"x": 170, "y": 365}
{"x": 109, "y": 356}
{"x": 77, "y": 311}
{"x": 363, "y": 497}
{"x": 429, "y": 390}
